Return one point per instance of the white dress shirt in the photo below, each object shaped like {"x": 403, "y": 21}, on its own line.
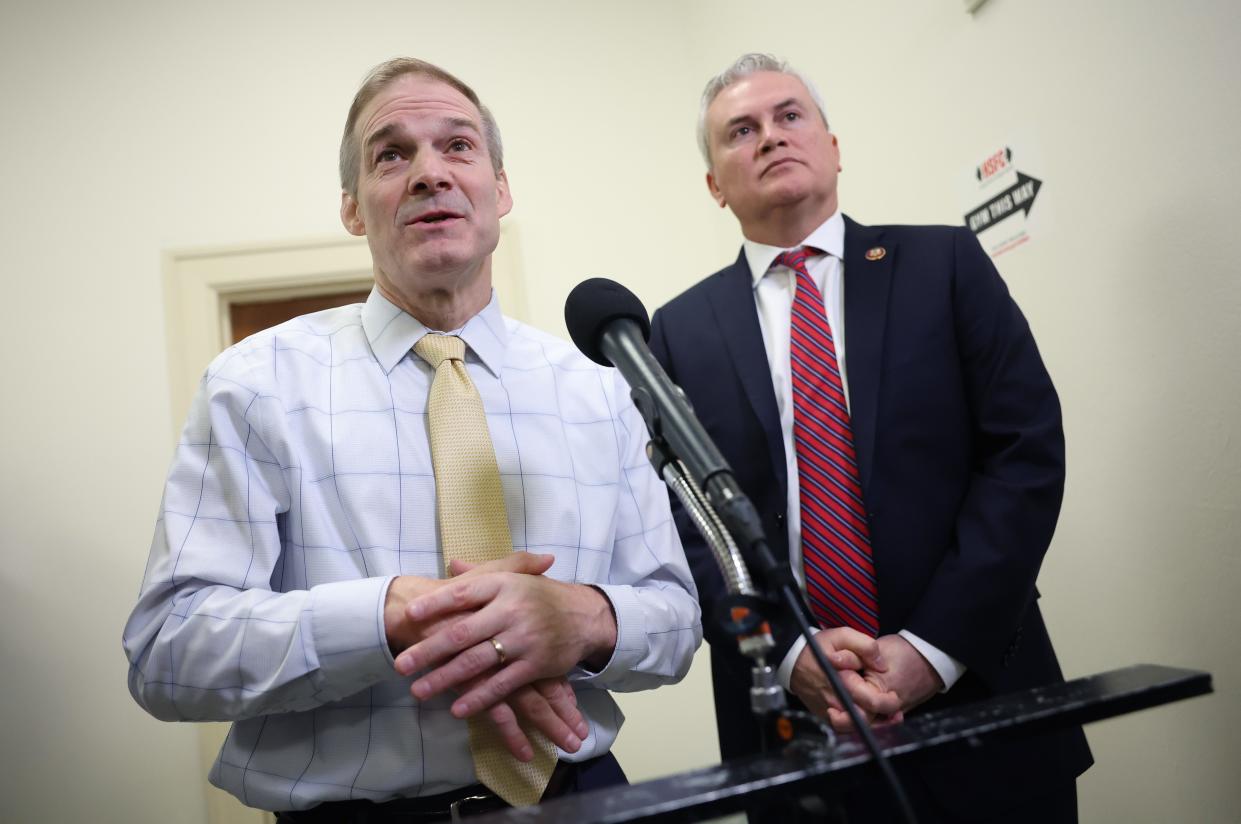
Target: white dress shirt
{"x": 302, "y": 484}
{"x": 774, "y": 288}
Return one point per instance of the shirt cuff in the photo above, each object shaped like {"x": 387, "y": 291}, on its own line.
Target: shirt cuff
{"x": 348, "y": 631}
{"x": 950, "y": 669}
{"x": 785, "y": 672}
{"x": 631, "y": 638}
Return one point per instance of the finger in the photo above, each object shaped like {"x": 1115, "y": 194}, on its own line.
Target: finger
{"x": 424, "y": 630}
{"x": 461, "y": 668}
{"x": 563, "y": 700}
{"x": 882, "y": 701}
{"x": 841, "y": 722}
{"x": 498, "y": 686}
{"x": 886, "y": 701}
{"x": 447, "y": 641}
{"x": 860, "y": 644}
{"x": 467, "y": 592}
{"x": 535, "y": 710}
{"x": 867, "y": 695}
{"x": 887, "y": 720}
{"x": 459, "y": 567}
{"x": 844, "y": 660}
{"x": 506, "y": 724}
{"x": 557, "y": 689}
{"x": 526, "y": 563}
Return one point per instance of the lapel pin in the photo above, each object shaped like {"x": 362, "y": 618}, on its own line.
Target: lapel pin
{"x": 876, "y": 253}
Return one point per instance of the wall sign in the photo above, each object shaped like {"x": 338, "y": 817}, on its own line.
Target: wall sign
{"x": 1001, "y": 194}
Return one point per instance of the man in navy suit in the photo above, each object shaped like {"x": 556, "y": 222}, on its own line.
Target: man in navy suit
{"x": 952, "y": 445}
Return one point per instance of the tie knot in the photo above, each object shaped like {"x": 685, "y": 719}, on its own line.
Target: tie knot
{"x": 435, "y": 349}
{"x": 795, "y": 259}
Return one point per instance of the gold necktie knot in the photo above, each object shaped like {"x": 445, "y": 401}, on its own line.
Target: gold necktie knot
{"x": 435, "y": 349}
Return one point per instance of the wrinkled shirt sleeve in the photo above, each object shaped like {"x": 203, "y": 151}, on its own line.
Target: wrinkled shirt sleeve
{"x": 211, "y": 637}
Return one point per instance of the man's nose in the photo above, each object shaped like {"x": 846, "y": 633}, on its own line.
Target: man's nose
{"x": 771, "y": 138}
{"x": 428, "y": 174}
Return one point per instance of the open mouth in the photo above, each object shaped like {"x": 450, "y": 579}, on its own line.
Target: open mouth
{"x": 433, "y": 218}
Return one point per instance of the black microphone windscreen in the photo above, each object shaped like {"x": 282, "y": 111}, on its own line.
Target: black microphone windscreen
{"x": 592, "y": 305}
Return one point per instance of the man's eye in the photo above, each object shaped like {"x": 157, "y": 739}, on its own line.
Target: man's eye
{"x": 741, "y": 131}
{"x": 387, "y": 156}
{"x": 790, "y": 116}
{"x": 460, "y": 145}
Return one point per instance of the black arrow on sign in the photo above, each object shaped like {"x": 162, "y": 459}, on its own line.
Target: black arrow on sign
{"x": 1019, "y": 196}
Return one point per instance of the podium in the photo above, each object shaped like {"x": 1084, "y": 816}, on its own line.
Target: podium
{"x": 727, "y": 788}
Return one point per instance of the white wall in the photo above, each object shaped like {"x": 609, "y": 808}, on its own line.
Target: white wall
{"x": 132, "y": 128}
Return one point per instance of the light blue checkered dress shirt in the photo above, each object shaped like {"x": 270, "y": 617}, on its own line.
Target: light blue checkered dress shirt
{"x": 302, "y": 484}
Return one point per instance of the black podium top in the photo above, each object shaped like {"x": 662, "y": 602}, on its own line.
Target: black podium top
{"x": 719, "y": 790}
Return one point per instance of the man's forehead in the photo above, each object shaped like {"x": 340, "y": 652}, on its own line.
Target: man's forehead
{"x": 419, "y": 97}
{"x": 758, "y": 92}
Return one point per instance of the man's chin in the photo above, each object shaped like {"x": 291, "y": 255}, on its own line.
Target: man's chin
{"x": 786, "y": 197}
{"x": 793, "y": 191}
{"x": 439, "y": 255}
{"x": 443, "y": 265}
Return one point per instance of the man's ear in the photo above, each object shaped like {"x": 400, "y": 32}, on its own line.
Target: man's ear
{"x": 715, "y": 191}
{"x": 504, "y": 197}
{"x": 349, "y": 216}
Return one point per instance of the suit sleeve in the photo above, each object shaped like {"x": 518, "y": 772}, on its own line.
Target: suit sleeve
{"x": 980, "y": 591}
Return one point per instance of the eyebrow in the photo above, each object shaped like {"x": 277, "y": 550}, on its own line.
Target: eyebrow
{"x": 387, "y": 132}
{"x": 380, "y": 135}
{"x": 783, "y": 104}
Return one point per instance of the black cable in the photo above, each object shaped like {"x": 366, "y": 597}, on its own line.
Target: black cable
{"x": 894, "y": 784}
{"x": 741, "y": 518}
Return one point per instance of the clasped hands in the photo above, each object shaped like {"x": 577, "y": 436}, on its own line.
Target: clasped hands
{"x": 885, "y": 676}
{"x": 444, "y": 630}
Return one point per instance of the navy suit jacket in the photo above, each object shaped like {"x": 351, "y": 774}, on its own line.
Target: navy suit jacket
{"x": 960, "y": 447}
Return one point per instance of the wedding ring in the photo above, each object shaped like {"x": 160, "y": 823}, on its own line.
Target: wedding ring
{"x": 499, "y": 650}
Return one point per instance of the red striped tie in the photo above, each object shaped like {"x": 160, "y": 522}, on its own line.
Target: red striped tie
{"x": 835, "y": 537}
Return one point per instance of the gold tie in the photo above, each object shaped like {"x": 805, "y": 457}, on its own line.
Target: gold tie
{"x": 474, "y": 528}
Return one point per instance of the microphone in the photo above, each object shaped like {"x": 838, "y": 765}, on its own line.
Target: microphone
{"x": 610, "y": 326}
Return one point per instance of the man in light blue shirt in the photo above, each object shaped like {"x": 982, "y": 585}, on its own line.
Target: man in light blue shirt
{"x": 299, "y": 516}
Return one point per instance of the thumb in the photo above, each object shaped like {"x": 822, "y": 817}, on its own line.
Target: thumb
{"x": 859, "y": 644}
{"x": 532, "y": 563}
{"x": 844, "y": 659}
{"x": 526, "y": 563}
{"x": 459, "y": 567}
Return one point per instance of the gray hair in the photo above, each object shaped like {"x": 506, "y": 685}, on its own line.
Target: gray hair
{"x": 376, "y": 81}
{"x": 742, "y": 67}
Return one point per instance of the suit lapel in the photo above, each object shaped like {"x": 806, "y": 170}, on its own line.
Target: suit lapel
{"x": 867, "y": 284}
{"x": 732, "y": 300}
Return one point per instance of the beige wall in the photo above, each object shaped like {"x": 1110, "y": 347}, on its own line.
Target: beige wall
{"x": 132, "y": 128}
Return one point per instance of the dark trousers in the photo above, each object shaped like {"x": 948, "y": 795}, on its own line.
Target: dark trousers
{"x": 568, "y": 778}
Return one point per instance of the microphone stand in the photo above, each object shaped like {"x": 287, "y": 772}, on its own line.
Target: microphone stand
{"x": 724, "y": 515}
{"x": 741, "y": 613}
{"x": 609, "y": 325}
